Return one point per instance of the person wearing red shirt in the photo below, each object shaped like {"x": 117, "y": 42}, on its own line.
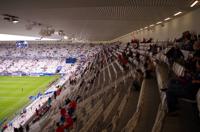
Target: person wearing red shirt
{"x": 60, "y": 128}
{"x": 72, "y": 107}
{"x": 63, "y": 111}
{"x": 72, "y": 104}
{"x": 5, "y": 127}
{"x": 69, "y": 122}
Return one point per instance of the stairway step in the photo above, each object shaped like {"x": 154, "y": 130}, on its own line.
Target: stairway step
{"x": 150, "y": 106}
{"x": 187, "y": 119}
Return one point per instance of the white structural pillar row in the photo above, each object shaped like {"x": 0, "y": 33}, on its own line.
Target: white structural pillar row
{"x": 114, "y": 69}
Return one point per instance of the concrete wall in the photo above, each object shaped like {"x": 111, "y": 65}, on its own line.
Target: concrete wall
{"x": 171, "y": 29}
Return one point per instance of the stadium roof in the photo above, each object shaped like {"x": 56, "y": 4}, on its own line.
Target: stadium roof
{"x": 92, "y": 20}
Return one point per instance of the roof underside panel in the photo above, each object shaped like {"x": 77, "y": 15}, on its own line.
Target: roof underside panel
{"x": 88, "y": 19}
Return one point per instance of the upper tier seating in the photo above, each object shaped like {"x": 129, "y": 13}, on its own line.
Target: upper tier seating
{"x": 42, "y": 58}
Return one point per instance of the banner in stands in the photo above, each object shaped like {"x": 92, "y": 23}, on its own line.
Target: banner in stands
{"x": 32, "y": 98}
{"x": 21, "y": 44}
{"x": 58, "y": 69}
{"x": 71, "y": 60}
{"x": 28, "y": 74}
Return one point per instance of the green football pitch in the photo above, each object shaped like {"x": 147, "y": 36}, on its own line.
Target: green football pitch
{"x": 15, "y": 92}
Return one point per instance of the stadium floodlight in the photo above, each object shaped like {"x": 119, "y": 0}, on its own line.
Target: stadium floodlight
{"x": 159, "y": 22}
{"x": 15, "y": 21}
{"x": 61, "y": 33}
{"x": 10, "y": 18}
{"x": 151, "y": 25}
{"x": 167, "y": 19}
{"x": 66, "y": 37}
{"x": 178, "y": 13}
{"x": 194, "y": 3}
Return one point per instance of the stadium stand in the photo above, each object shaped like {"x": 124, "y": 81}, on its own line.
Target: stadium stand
{"x": 121, "y": 87}
{"x": 100, "y": 66}
{"x": 36, "y": 58}
{"x": 108, "y": 111}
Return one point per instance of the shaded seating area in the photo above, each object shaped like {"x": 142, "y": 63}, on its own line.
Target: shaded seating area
{"x": 187, "y": 118}
{"x": 124, "y": 93}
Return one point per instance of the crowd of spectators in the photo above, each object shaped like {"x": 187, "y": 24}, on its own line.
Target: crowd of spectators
{"x": 39, "y": 58}
{"x": 177, "y": 87}
{"x": 184, "y": 52}
{"x": 188, "y": 41}
{"x": 67, "y": 116}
